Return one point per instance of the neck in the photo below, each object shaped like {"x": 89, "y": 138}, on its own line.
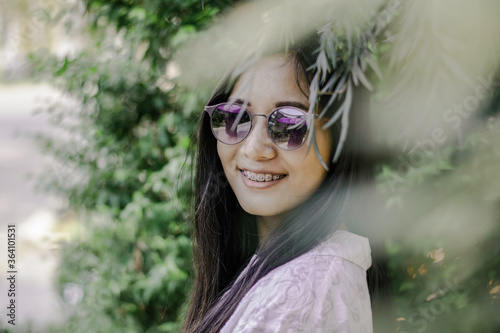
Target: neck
{"x": 266, "y": 224}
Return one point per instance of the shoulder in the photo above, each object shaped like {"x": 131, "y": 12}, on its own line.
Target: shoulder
{"x": 344, "y": 245}
{"x": 323, "y": 290}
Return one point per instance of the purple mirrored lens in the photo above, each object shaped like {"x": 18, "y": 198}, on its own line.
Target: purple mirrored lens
{"x": 229, "y": 125}
{"x": 288, "y": 128}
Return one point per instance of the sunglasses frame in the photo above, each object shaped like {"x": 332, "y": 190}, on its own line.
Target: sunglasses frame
{"x": 210, "y": 109}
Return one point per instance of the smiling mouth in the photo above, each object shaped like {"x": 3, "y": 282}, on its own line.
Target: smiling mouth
{"x": 261, "y": 177}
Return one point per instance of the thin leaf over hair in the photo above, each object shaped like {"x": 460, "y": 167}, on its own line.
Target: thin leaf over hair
{"x": 358, "y": 72}
{"x": 318, "y": 155}
{"x": 345, "y": 121}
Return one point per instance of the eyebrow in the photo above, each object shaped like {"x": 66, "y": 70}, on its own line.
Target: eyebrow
{"x": 294, "y": 104}
{"x": 278, "y": 104}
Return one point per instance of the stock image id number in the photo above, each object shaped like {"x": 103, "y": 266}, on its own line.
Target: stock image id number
{"x": 11, "y": 247}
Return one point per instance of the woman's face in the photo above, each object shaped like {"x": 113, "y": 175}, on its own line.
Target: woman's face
{"x": 267, "y": 85}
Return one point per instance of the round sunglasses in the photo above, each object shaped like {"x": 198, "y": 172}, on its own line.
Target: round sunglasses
{"x": 231, "y": 123}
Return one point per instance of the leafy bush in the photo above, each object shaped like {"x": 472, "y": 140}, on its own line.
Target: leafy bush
{"x": 122, "y": 162}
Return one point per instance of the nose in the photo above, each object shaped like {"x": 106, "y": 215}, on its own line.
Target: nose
{"x": 257, "y": 145}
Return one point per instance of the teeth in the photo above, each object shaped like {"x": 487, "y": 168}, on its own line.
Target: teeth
{"x": 261, "y": 177}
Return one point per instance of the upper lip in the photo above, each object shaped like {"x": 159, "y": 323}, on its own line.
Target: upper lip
{"x": 263, "y": 171}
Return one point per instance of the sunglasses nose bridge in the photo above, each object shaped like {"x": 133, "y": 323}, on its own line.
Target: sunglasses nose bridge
{"x": 256, "y": 124}
{"x": 257, "y": 144}
{"x": 259, "y": 115}
{"x": 265, "y": 121}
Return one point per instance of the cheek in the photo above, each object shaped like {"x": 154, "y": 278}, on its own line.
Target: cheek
{"x": 227, "y": 156}
{"x": 223, "y": 153}
{"x": 311, "y": 179}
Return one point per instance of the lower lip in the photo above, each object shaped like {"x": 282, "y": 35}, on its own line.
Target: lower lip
{"x": 260, "y": 185}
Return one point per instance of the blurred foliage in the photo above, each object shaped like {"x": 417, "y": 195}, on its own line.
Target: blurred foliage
{"x": 125, "y": 127}
{"x": 447, "y": 279}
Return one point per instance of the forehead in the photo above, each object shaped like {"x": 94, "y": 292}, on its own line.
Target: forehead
{"x": 272, "y": 78}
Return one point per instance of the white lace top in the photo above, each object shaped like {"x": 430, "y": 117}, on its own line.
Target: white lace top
{"x": 323, "y": 290}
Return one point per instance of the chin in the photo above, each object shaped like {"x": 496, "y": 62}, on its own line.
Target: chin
{"x": 261, "y": 209}
{"x": 266, "y": 206}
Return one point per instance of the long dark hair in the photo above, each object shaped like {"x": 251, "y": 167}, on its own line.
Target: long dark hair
{"x": 225, "y": 237}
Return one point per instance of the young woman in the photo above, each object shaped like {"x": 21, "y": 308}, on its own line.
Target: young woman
{"x": 272, "y": 251}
